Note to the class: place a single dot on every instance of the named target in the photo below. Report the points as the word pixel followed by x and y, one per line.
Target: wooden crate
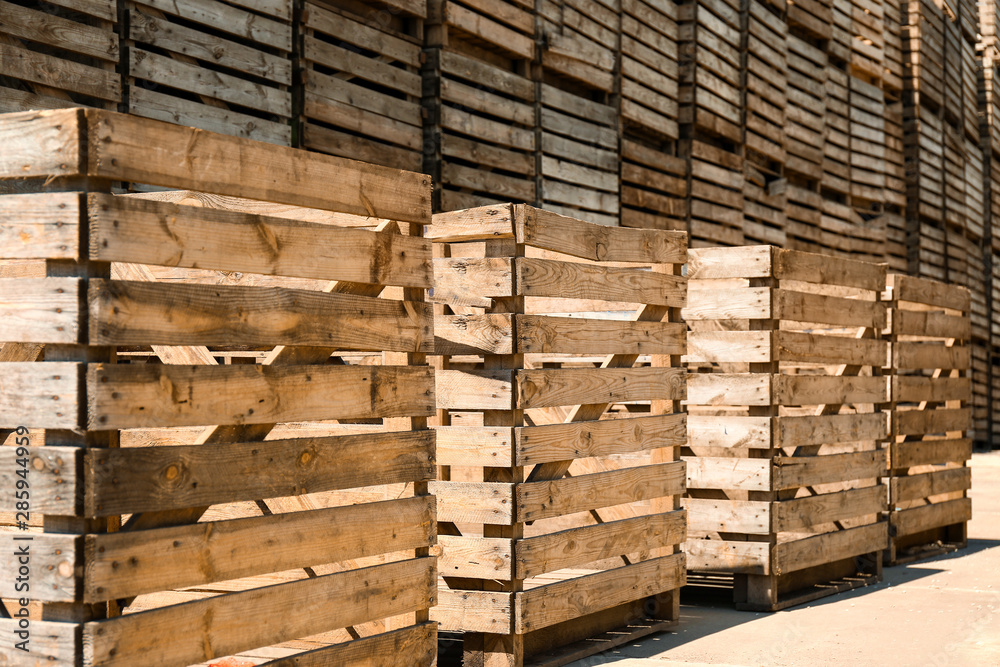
pixel 868 140
pixel 245 533
pixel 653 183
pixel 649 68
pixel 810 109
pixel 532 563
pixel 785 433
pixel 579 152
pixel 710 36
pixel 811 19
pixel 211 65
pixel 480 129
pixel 841 41
pixel 836 174
pixel 892 34
pixel 868 28
pixel 59 53
pixel 924 150
pixel 715 195
pixel 929 478
pixel 580 40
pixel 923 53
pixel 359 67
pixel 500 26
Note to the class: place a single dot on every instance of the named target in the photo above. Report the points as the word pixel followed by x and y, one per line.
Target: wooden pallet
pixel 929 477
pixel 841 41
pixel 59 53
pixel 785 432
pixel 244 532
pixel 836 174
pixel 211 65
pixel 359 66
pixel 868 40
pixel 653 184
pixel 812 19
pixel 715 195
pixel 503 26
pixel 649 68
pixel 923 50
pixel 868 141
pixel 532 564
pixel 580 40
pixel 892 34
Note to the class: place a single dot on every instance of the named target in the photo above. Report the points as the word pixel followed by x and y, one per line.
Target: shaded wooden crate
pixel 892 34
pixel 649 67
pixel 868 143
pixel 715 192
pixel 579 152
pixel 709 35
pixel 359 65
pixel 811 19
pixel 59 54
pixel 839 47
pixel 242 530
pixel 836 174
pixel 538 562
pixel 785 429
pixel 868 30
pixel 924 151
pixel 211 65
pixel 480 128
pixel 499 26
pixel 929 477
pixel 580 40
pixel 653 184
pixel 923 53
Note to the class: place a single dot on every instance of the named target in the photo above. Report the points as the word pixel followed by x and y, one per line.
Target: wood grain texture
pixel 40 226
pixel 40 395
pixel 40 310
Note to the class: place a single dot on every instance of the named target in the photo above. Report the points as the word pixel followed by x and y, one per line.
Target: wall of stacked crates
pixel 860 128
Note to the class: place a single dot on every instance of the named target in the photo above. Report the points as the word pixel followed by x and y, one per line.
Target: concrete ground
pixel 942 611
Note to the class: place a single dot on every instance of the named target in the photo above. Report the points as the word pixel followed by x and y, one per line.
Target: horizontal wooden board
pixel 730 432
pixel 916 487
pixel 487 333
pixel 927 452
pixel 42 395
pixel 912 355
pixel 160 232
pixel 812 348
pixel 40 310
pixel 765 261
pixel 562 442
pixel 930 292
pixel 227 624
pixel 552 387
pixel 574 335
pixel 56 486
pixel 825 429
pixel 40 226
pixel 474 611
pixel 550 278
pixel 922 422
pixel 476 557
pixel 474 502
pixel 745 474
pixel 797 471
pixel 413 646
pixel 728 556
pixel 913 389
pixel 137 396
pixel 829 547
pixel 709 515
pixel 907 522
pixel 930 323
pixel 146 479
pixel 812 511
pixel 143 313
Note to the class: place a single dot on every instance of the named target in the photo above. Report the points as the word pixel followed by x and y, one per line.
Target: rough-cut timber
pixel 785 432
pixel 278 511
pixel 929 333
pixel 557 525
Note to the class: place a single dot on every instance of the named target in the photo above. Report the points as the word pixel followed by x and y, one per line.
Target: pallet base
pixel 812 593
pixel 926 544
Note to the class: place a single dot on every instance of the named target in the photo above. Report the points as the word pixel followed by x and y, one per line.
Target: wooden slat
pixel 41 144
pixel 554 603
pixel 930 292
pixel 475 446
pixel 60 73
pixel 910 355
pixel 135 396
pixel 41 395
pixel 730 388
pixel 51 559
pixel 558 233
pixel 578 546
pixel 148 479
pixel 56 486
pixel 921 422
pixel 473 224
pixel 728 556
pixel 729 346
pixel 811 511
pixel 930 323
pixel 824 309
pixel 227 624
pixel 553 387
pixel 474 611
pixel 474 502
pixel 486 333
pixel 163 233
pixel 829 547
pixel 478 277
pixel 827 270
pixel 573 335
pixel 908 389
pixel 140 313
pixel 832 390
pixel 228 19
pixel 824 429
pixel 917 519
pixel 709 515
pixel 207 552
pixel 812 348
pixel 549 278
pixel 40 226
pixel 927 452
pixel 415 646
pixel 752 303
pixel 915 487
pixel 797 471
pixel 476 557
pixel 52 643
pixel 40 310
pixel 474 390
pixel 706 472
pixel 542 500
pixel 578 440
pixel 752 432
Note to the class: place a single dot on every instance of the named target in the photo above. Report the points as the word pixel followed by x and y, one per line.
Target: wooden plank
pixel 826 429
pixel 573 335
pixel 914 355
pixel 813 348
pixel 475 446
pixel 578 440
pixel 829 547
pixel 729 346
pixel 137 396
pixel 827 270
pixel 414 646
pixel 474 611
pixel 930 292
pixel 820 390
pixel 40 226
pixel 921 422
pixel 751 432
pixel 549 278
pixel 227 624
pixel 728 556
pixel 474 502
pixel 912 389
pixel 41 395
pixel 552 498
pixel 52 30
pixel 562 234
pixel 792 472
pixel 552 387
pixel 145 151
pixel 40 310
pixel 928 452
pixel 207 552
pixel 930 324
pixel 60 73
pixel 51 559
pixel 554 603
pixel 907 522
pixel 916 487
pixel 190 236
pixel 486 333
pixel 228 19
pixel 578 546
pixel 709 515
pixel 56 486
pixel 52 643
pixel 161 478
pixel 41 143
pixel 476 557
pixel 812 511
pixel 474 224
pixel 141 313
pixel 824 309
pixel 752 303
pixel 730 388
pixel 479 277
pixel 474 390
pixel 728 263
pixel 708 472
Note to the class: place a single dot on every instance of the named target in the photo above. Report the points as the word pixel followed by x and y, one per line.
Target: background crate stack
pixel 765 62
pixel 480 138
pixel 710 37
pixel 894 210
pixel 653 176
pixel 928 480
pixel 578 118
pixel 59 53
pixel 986 426
pixel 785 452
pixel 216 66
pixel 243 531
pixel 589 541
pixel 359 66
